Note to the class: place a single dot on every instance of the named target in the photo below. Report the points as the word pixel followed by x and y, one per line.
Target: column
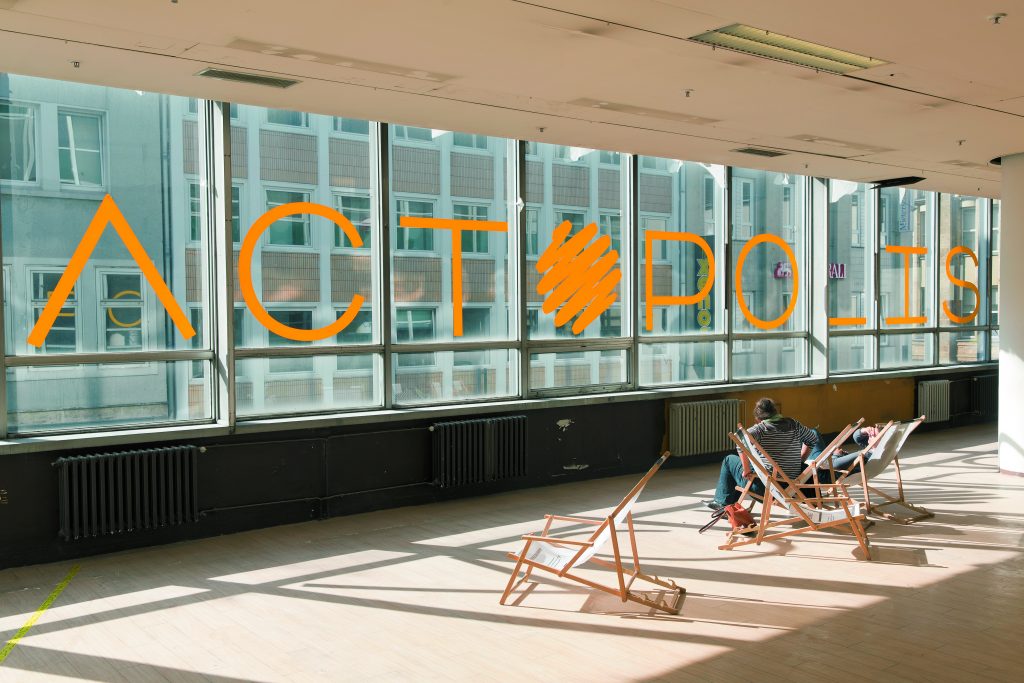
pixel 1011 323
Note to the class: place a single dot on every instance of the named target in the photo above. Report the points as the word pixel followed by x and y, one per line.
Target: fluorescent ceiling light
pixel 762 43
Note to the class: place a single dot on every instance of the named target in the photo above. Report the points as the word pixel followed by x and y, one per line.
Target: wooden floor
pixel 412 595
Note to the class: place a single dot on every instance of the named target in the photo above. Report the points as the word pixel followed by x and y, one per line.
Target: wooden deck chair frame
pixel 566 555
pixel 810 472
pixel 862 477
pixel 818 512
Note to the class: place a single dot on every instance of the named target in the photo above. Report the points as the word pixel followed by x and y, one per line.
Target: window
pixel 414 325
pixel 194 218
pixel 236 214
pixel 63 336
pixel 469 140
pixel 357 210
pixel 531 219
pixel 78 149
pixel 856 222
pixel 995 225
pixel 291 230
pixel 284 117
pixel 654 163
pixel 995 306
pixel 359 331
pixel 473 241
pixel 661 247
pixel 532 149
pixel 576 219
pixel 17 142
pixel 788 214
pixel 419 239
pixel 195 316
pixel 411 133
pixel 609 158
pixel 743 208
pixel 353 126
pixel 476 324
pixel 709 191
pixel 193 107
pixel 610 225
pixel 300 319
pixel 121 311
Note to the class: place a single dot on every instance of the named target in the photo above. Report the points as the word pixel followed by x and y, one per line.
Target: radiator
pixel 478 451
pixel 702 427
pixel 110 493
pixel 933 400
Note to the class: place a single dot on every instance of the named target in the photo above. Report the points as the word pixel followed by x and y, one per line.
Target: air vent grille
pixel 760 152
pixel 253 79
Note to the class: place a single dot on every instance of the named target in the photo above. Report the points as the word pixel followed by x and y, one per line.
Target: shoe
pixel 712 505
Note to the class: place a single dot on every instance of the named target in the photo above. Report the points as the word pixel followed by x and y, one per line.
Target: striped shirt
pixel 783 440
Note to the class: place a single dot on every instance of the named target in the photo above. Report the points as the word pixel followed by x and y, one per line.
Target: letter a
pixel 108 213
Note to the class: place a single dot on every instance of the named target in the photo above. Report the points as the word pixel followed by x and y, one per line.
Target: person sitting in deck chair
pixel 841 460
pixel 788 441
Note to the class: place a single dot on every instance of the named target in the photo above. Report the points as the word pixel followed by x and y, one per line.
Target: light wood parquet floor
pixel 411 594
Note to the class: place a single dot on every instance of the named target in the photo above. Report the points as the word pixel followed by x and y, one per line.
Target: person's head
pixel 764 409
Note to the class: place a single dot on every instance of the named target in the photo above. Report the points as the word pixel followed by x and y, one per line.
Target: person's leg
pixel 730 475
pixel 818 447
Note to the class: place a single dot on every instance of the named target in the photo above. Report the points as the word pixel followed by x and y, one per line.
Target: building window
pixel 78 148
pixel 653 163
pixel 469 140
pixel 121 311
pixel 576 219
pixel 414 325
pixel 609 157
pixel 284 117
pixel 415 239
pixel 660 224
pixel 743 208
pixel 300 319
pixel 609 224
pixel 532 149
pixel 856 222
pixel 194 218
pixel 788 214
pixel 17 142
pixel 412 133
pixel 353 126
pixel 63 336
pixel 709 204
pixel 995 221
pixel 193 107
pixel 473 241
pixel 357 332
pixel 195 317
pixel 291 230
pixel 236 214
pixel 357 210
pixel 532 220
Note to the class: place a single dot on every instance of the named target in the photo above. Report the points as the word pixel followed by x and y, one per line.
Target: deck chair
pixel 837 509
pixel 875 459
pixel 563 557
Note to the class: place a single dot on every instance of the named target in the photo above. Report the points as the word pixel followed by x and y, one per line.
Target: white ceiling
pixel 950 99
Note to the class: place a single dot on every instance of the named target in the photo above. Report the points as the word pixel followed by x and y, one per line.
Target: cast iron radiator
pixel 109 493
pixel 702 427
pixel 478 451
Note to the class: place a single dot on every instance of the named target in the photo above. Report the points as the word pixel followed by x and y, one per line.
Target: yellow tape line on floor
pixel 39 612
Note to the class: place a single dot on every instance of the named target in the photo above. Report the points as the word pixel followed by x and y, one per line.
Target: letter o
pixel 245 271
pixel 751 318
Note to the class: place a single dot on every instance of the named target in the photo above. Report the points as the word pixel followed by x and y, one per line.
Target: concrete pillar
pixel 1011 322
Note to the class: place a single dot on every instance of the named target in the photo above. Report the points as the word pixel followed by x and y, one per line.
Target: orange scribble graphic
pixel 107 213
pixel 579 275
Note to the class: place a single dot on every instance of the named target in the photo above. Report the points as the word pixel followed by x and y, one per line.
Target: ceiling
pixel 606 74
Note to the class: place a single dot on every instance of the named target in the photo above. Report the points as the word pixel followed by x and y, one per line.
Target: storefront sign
pixel 837 271
pixel 782 270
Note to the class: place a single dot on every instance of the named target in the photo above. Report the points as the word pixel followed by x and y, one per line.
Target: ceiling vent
pixel 759 152
pixel 896 182
pixel 252 79
pixel 762 43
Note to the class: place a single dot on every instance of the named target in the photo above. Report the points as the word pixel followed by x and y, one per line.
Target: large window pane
pixel 676 363
pixel 681 197
pixel 906 350
pixel 851 354
pixel 319 385
pixel 580 187
pixel 111 395
pixel 769 229
pixel 446 376
pixel 962 227
pixel 565 370
pixel 758 358
pixel 851 249
pixel 906 286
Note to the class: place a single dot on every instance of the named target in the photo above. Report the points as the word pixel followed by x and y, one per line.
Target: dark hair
pixel 765 408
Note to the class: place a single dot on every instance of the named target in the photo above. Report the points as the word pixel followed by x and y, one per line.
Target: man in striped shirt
pixel 785 439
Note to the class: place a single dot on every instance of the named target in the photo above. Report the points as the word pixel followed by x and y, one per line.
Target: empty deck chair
pixel 874 459
pixel 784 501
pixel 563 557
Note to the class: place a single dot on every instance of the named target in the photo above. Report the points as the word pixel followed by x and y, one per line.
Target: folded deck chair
pixel 781 493
pixel 875 459
pixel 563 557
